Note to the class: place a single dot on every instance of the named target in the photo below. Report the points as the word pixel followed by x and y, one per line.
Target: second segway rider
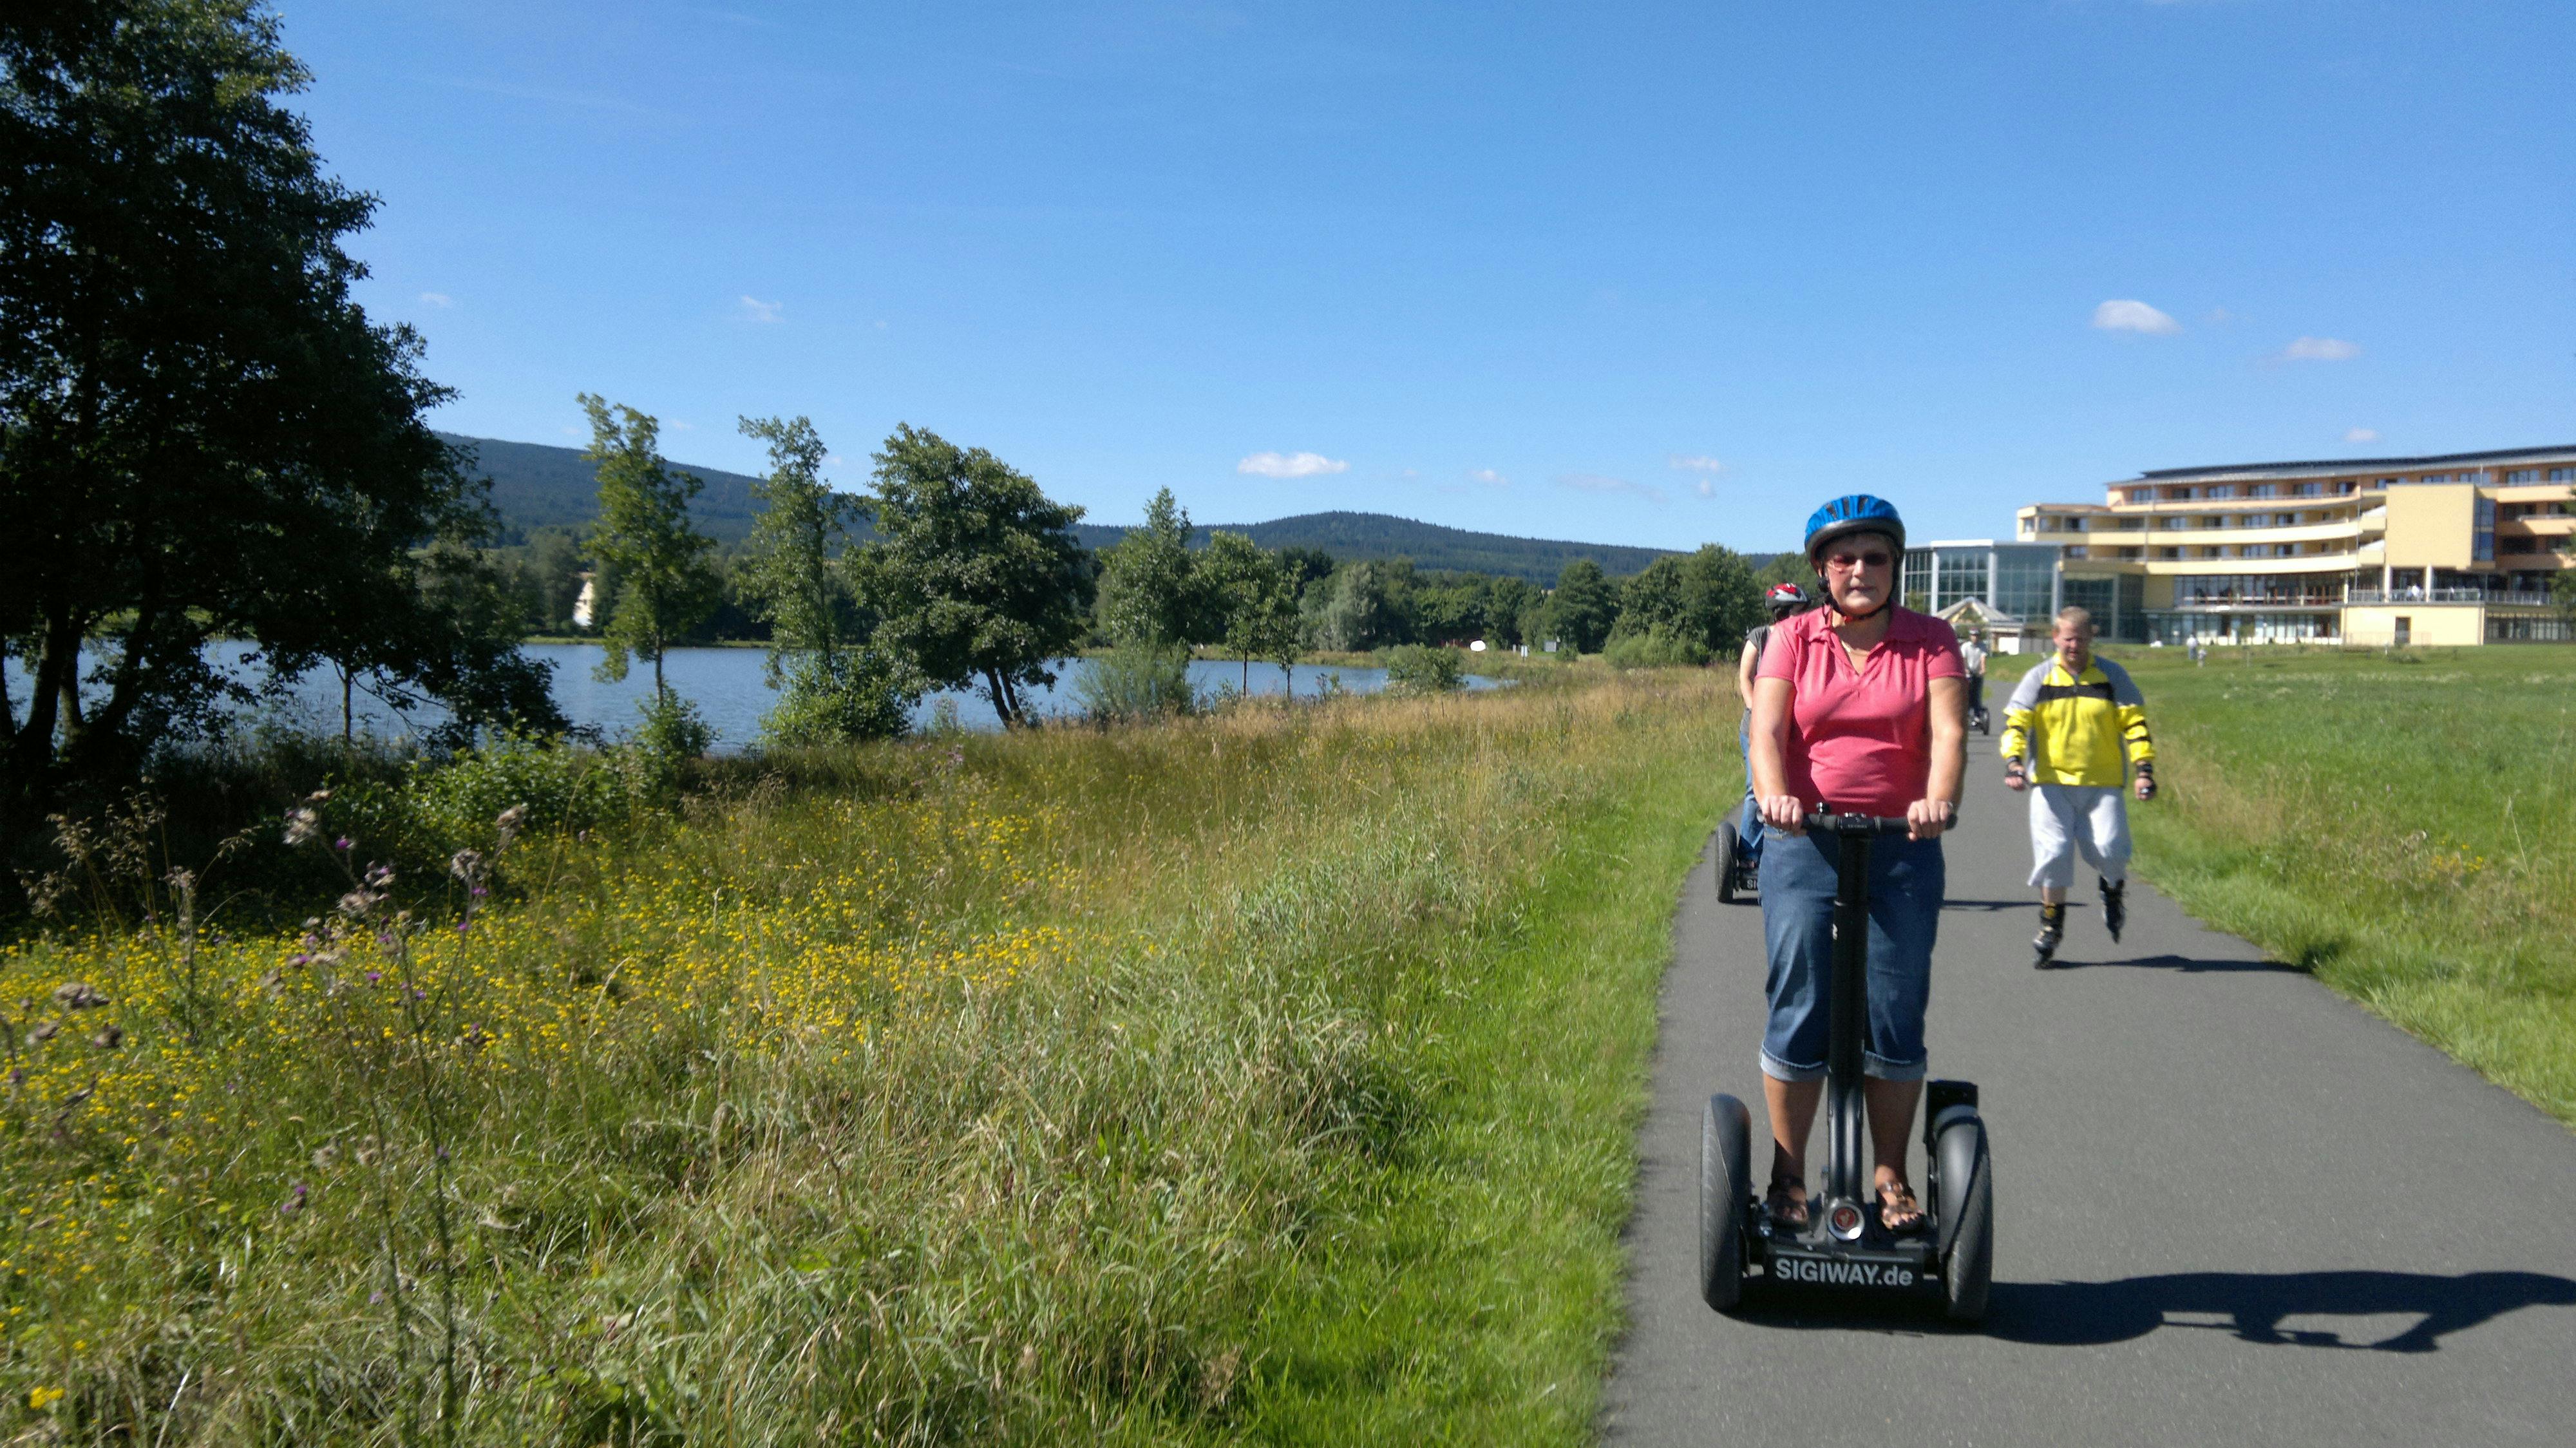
pixel 1858 707
pixel 1973 655
pixel 1783 599
pixel 2074 728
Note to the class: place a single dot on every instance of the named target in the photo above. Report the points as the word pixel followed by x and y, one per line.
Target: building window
pixel 2482 531
pixel 1917 587
pixel 2522 475
pixel 2390 482
pixel 2260 490
pixel 2177 495
pixel 2222 490
pixel 2285 520
pixel 2310 490
pixel 2562 475
pixel 2173 553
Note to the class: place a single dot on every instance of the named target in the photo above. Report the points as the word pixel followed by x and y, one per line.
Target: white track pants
pixel 2071 819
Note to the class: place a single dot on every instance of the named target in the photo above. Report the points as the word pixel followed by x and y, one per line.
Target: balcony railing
pixel 2446 595
pixel 2268 600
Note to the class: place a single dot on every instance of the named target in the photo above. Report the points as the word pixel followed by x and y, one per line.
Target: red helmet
pixel 1786 598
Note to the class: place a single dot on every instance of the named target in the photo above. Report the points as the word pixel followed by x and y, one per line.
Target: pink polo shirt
pixel 1861 742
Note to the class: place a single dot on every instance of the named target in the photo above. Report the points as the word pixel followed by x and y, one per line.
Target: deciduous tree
pixel 665 580
pixel 975 574
pixel 835 685
pixel 202 435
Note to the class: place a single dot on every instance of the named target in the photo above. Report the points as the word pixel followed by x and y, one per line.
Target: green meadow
pixel 1269 1076
pixel 2402 824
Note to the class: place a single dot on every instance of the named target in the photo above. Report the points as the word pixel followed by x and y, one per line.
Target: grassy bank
pixel 2404 825
pixel 1268 1077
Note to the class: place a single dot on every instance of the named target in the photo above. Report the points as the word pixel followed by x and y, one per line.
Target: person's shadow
pixel 2254 1305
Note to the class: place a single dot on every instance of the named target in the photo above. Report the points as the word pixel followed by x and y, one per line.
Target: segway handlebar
pixel 1860 824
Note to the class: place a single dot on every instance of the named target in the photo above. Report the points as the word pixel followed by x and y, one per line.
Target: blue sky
pixel 1651 274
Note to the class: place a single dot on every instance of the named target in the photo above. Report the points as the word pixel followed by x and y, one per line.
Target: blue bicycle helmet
pixel 1853 513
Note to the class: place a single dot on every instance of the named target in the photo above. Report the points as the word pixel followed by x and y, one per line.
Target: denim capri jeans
pixel 1906 882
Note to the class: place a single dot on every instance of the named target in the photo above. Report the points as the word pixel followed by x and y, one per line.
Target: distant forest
pixel 537 488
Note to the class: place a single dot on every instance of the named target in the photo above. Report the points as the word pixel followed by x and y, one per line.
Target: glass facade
pixel 2025 581
pixel 2016 579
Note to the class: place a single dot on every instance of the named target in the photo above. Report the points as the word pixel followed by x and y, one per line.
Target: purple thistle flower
pixel 341 843
pixel 375 976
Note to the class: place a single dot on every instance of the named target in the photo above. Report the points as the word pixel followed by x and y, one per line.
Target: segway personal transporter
pixel 1948 1258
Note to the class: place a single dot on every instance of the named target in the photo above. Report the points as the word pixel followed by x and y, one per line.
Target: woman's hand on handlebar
pixel 1784 812
pixel 1925 819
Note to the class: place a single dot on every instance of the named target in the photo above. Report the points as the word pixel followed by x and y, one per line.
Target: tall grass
pixel 1266 1076
pixel 2402 824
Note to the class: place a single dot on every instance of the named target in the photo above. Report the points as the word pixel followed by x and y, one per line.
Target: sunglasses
pixel 1846 562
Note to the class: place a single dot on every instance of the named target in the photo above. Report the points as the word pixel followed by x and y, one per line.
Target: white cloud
pixel 680 426
pixel 1411 473
pixel 1290 465
pixel 1695 464
pixel 2117 316
pixel 438 299
pixel 1596 483
pixel 1704 488
pixel 2220 316
pixel 2362 434
pixel 756 310
pixel 2320 349
pixel 1490 478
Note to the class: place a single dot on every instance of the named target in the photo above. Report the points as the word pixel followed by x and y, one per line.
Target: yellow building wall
pixel 2429 525
pixel 2441 625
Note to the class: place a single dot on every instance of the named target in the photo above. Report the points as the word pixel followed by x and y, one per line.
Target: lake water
pixel 727 687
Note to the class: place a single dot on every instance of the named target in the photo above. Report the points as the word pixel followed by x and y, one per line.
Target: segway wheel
pixel 1725 1200
pixel 1967 1198
pixel 1727 847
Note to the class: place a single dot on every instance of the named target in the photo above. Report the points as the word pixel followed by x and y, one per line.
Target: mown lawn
pixel 1269 1077
pixel 2402 824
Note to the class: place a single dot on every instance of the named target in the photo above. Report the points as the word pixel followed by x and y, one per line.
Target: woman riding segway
pixel 1858 708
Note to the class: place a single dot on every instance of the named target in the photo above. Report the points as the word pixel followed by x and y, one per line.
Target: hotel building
pixel 2455 549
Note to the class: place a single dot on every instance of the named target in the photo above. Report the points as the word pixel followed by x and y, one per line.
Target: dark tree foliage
pixel 974 575
pixel 1707 598
pixel 201 434
pixel 1582 608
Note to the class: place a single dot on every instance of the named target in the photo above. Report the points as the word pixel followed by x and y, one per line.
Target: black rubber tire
pixel 1967 1218
pixel 1726 848
pixel 1725 1200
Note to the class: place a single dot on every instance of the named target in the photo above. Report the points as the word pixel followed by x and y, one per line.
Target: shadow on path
pixel 2184 963
pixel 2254 1306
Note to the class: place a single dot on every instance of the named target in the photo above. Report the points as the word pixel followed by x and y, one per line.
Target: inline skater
pixel 2074 727
pixel 1858 705
pixel 1783 599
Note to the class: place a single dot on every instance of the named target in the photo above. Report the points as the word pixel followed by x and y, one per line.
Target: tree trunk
pixel 348 730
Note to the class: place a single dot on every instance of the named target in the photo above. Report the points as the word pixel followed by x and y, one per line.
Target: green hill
pixel 535 485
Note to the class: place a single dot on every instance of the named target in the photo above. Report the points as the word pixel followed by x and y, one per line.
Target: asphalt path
pixel 2230 1206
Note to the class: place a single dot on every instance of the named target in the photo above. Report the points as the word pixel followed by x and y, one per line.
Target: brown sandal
pixel 1898 1211
pixel 1787 1212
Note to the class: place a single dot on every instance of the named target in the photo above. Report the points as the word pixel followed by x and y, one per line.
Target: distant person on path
pixel 1972 654
pixel 2074 728
pixel 1783 599
pixel 1858 707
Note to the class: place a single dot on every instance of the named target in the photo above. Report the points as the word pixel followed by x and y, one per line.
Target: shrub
pixel 864 702
pixel 1136 681
pixel 1659 647
pixel 1422 669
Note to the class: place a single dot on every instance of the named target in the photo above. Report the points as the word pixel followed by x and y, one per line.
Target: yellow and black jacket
pixel 2078 729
